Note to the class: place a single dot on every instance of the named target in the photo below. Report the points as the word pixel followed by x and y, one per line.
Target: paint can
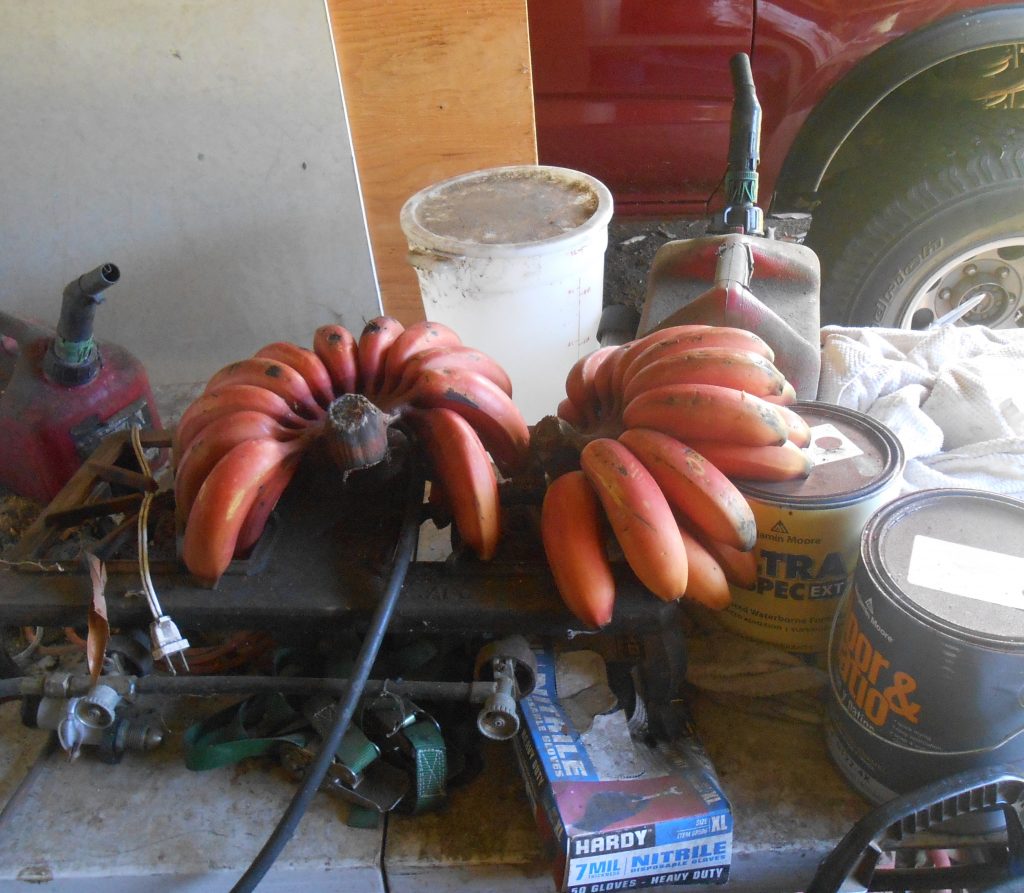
pixel 926 659
pixel 808 531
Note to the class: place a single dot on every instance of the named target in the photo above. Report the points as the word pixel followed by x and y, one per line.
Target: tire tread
pixel 988 154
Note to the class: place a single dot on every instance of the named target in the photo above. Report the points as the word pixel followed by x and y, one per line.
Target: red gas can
pixel 65 392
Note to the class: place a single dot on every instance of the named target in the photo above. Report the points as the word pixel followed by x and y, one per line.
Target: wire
pixel 404 552
pixel 143 528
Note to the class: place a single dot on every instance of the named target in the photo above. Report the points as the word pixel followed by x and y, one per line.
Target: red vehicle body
pixel 856 99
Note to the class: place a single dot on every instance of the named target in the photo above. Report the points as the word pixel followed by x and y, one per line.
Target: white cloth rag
pixel 954 396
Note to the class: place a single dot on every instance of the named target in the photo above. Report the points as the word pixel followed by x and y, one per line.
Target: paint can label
pixel 808 532
pixel 805 562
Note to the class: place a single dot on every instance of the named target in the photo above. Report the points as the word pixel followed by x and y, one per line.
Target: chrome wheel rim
pixel 988 279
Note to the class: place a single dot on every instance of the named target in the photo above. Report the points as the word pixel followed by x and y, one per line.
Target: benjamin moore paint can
pixel 926 661
pixel 808 531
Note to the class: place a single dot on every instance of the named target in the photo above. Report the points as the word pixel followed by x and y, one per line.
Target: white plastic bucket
pixel 512 258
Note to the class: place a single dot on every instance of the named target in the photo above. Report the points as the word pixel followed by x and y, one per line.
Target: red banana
pixel 306 363
pixel 338 351
pixel 695 487
pixel 581 382
pixel 740 568
pixel 571 413
pixel 224 501
pixel 374 343
pixel 481 403
pixel 639 515
pixel 787 396
pixel 742 370
pixel 420 336
pixel 636 347
pixel 768 463
pixel 445 357
pixel 270 493
pixel 798 431
pixel 707 583
pixel 708 412
pixel 604 384
pixel 460 463
pixel 573 537
pixel 272 375
pixel 666 345
pixel 213 443
pixel 224 401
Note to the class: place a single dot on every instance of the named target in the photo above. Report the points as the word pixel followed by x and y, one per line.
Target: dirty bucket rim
pixel 421 239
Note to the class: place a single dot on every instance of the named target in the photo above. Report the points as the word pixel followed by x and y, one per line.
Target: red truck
pixel 896 124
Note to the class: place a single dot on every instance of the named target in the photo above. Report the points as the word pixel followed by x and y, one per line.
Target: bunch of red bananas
pixel 238 445
pixel 662 424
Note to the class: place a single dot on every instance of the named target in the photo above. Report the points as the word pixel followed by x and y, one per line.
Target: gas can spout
pixel 741 213
pixel 72 358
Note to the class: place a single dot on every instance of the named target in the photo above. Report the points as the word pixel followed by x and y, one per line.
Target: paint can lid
pixel 954 558
pixel 854 457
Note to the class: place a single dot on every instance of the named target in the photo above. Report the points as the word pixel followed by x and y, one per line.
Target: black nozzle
pixel 741 212
pixel 81 296
pixel 745 124
pixel 72 358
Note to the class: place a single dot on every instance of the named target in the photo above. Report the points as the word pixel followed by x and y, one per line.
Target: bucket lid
pixel 954 558
pixel 512 210
pixel 854 457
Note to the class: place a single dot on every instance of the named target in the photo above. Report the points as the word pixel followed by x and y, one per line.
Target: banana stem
pixel 558 444
pixel 356 432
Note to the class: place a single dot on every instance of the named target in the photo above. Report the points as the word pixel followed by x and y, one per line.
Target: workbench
pixel 149 824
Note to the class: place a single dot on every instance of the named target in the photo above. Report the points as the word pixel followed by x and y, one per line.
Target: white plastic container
pixel 512 258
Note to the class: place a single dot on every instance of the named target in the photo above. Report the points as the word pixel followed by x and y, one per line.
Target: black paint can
pixel 926 656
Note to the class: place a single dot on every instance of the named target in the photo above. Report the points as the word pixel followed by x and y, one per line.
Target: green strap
pixel 356 751
pixel 247 730
pixel 430 766
pixel 250 729
pixel 240 731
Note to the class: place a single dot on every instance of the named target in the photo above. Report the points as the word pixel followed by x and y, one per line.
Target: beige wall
pixel 201 146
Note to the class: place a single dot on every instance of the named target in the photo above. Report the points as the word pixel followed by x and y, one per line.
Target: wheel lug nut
pixel 945 294
pixel 1004 272
pixel 971 270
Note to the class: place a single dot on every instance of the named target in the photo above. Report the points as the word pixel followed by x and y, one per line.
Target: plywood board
pixel 432 89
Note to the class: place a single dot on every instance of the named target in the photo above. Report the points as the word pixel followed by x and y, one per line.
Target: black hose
pixel 360 673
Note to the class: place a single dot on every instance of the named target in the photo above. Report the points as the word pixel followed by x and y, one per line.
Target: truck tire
pixel 948 230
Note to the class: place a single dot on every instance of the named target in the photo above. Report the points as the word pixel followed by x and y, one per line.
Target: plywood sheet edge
pixel 432 90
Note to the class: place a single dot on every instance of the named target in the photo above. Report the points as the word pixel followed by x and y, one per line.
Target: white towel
pixel 954 396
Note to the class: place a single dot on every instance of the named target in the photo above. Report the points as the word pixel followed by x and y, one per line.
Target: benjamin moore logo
pixel 869 606
pixel 779 527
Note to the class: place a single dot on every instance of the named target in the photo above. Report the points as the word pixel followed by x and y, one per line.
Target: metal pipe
pixel 129 686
